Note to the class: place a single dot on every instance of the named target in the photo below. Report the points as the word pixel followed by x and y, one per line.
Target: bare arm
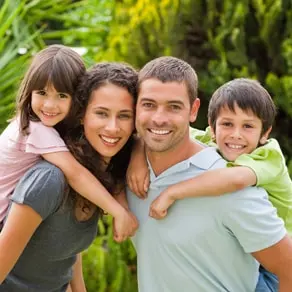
pixel 278 260
pixel 21 223
pixel 83 182
pixel 210 183
pixel 77 283
pixel 138 172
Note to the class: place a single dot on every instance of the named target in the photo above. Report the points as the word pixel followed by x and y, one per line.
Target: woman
pixel 48 225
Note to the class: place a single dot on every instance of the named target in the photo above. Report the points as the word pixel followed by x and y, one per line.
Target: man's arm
pixel 278 260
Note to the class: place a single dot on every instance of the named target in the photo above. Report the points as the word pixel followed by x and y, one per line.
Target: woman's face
pixel 109 119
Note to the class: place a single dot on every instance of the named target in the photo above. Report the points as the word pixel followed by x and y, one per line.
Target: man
pixel 204 244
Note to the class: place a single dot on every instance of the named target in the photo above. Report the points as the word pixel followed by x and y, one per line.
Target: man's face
pixel 163 114
pixel 238 132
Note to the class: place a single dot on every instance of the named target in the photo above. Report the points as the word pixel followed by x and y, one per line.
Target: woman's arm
pixel 77 283
pixel 210 183
pixel 20 225
pixel 84 183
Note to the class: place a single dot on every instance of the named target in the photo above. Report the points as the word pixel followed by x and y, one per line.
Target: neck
pixel 161 161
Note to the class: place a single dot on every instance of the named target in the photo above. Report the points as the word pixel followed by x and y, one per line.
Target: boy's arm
pixel 77 283
pixel 210 183
pixel 85 184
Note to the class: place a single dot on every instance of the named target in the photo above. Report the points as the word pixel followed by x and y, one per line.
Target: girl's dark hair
pixel 55 65
pixel 101 74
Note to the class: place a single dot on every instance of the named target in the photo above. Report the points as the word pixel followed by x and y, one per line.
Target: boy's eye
pixel 247 126
pixel 227 124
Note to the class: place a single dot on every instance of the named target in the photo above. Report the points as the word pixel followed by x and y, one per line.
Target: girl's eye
pixel 63 95
pixel 248 126
pixel 41 92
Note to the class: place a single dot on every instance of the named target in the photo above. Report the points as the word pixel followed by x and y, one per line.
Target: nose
pixel 236 134
pixel 159 118
pixel 50 103
pixel 112 125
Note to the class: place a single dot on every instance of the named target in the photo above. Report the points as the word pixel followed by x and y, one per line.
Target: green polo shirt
pixel 272 174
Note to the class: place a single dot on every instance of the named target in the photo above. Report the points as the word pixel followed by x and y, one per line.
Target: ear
pixel 194 110
pixel 213 136
pixel 265 136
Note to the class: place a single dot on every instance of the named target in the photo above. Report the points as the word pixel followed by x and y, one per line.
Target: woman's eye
pixel 101 114
pixel 125 116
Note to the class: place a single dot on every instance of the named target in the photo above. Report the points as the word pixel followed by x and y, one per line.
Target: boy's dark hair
pixel 121 75
pixel 55 65
pixel 248 95
pixel 171 69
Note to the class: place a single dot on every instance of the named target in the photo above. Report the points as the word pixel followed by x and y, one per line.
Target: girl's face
pixel 50 106
pixel 109 119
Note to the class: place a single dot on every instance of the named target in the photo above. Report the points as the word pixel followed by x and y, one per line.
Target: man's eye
pixel 148 105
pixel 175 107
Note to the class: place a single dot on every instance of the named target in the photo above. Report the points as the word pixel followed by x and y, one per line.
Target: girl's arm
pixel 77 283
pixel 22 221
pixel 211 183
pixel 85 184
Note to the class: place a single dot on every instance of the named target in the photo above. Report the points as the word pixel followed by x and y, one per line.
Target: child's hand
pixel 159 207
pixel 124 225
pixel 138 178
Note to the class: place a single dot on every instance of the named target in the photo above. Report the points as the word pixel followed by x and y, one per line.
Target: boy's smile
pixel 238 132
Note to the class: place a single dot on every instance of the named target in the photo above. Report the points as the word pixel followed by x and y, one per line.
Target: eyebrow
pixel 169 102
pixel 107 109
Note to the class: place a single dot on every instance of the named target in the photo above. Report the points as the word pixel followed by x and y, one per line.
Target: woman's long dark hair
pixel 121 75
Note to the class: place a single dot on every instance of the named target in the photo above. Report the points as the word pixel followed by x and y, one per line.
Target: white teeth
pixel 49 114
pixel 110 140
pixel 235 146
pixel 160 132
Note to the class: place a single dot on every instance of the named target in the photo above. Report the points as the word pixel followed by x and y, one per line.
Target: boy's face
pixel 238 132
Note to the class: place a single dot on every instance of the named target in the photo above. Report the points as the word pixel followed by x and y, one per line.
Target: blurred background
pixel 221 39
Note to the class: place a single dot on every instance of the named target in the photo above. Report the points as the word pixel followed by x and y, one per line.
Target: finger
pixel 137 190
pixel 146 183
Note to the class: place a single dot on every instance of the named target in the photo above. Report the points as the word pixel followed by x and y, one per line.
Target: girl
pixel 47 227
pixel 45 101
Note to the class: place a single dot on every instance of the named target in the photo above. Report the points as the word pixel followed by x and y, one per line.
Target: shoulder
pixel 42 188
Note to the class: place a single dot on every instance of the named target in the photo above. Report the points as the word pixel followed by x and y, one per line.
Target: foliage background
pixel 221 39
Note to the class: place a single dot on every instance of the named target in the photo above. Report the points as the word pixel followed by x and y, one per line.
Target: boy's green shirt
pixel 269 165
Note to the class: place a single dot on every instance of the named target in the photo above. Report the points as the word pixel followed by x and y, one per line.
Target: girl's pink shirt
pixel 18 153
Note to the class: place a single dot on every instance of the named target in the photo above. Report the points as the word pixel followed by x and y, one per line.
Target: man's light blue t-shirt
pixel 203 244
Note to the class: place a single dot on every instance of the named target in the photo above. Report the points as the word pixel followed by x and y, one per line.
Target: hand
pixel 138 179
pixel 159 207
pixel 124 225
